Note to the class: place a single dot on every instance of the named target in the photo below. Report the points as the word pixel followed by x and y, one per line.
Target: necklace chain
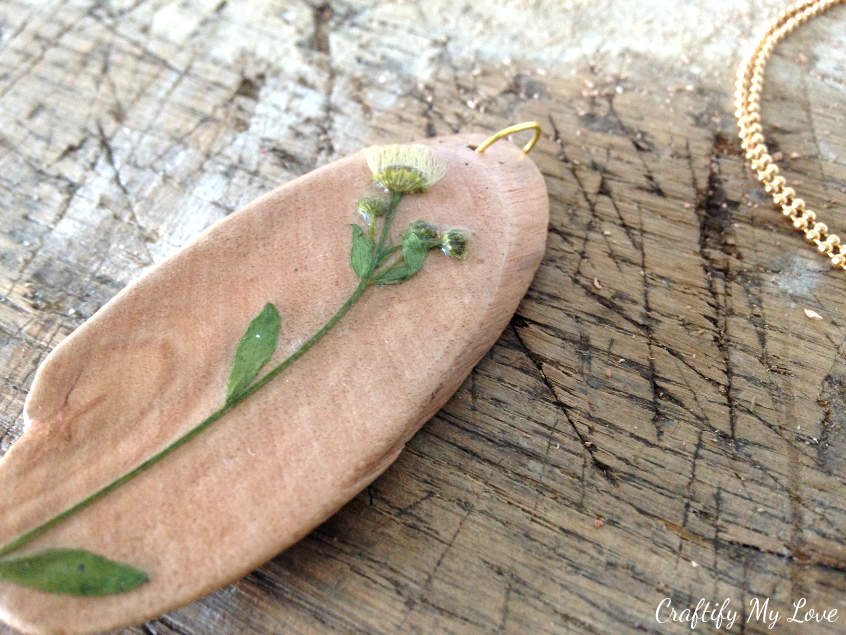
pixel 750 82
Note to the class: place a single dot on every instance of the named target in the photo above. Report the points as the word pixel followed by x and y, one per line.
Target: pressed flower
pixel 371 207
pixel 424 231
pixel 404 168
pixel 454 244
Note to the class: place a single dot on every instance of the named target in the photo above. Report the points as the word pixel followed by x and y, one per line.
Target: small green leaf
pixel 361 254
pixel 71 571
pixel 394 275
pixel 414 252
pixel 254 349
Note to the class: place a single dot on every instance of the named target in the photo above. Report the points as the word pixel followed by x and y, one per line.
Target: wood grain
pixel 660 419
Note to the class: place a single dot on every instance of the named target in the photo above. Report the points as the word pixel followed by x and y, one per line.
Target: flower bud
pixel 371 207
pixel 424 231
pixel 454 243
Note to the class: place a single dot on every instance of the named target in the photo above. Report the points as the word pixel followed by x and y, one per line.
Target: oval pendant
pixel 158 359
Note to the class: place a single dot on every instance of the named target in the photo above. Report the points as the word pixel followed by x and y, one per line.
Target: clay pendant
pixel 279 458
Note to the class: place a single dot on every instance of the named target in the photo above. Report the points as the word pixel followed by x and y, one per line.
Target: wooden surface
pixel 660 419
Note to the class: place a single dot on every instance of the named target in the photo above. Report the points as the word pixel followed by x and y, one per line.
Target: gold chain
pixel 747 100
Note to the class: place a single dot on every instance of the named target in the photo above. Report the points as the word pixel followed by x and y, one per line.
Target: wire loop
pixel 534 126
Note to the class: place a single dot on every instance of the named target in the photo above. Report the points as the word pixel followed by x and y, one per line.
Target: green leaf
pixel 394 275
pixel 361 254
pixel 71 571
pixel 414 252
pixel 254 349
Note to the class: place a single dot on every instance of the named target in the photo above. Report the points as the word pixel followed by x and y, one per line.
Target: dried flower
pixel 371 207
pixel 424 231
pixel 454 244
pixel 404 168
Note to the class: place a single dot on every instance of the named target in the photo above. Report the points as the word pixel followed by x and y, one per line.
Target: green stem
pixel 384 255
pixel 396 262
pixel 392 207
pixel 23 539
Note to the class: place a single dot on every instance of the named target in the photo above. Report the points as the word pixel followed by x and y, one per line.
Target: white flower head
pixel 404 168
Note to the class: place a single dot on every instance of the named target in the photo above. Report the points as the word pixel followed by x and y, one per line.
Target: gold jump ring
pixel 534 126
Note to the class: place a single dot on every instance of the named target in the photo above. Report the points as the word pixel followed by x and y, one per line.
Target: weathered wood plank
pixel 660 399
